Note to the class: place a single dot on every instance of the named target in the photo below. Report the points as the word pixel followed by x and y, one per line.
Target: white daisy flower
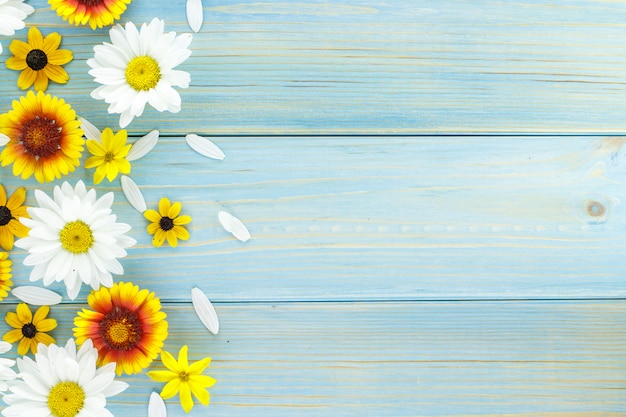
pixel 12 15
pixel 137 67
pixel 74 238
pixel 6 367
pixel 62 382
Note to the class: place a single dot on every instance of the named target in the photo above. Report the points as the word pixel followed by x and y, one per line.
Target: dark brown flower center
pixel 29 330
pixel 36 59
pixel 41 137
pixel 5 215
pixel 166 223
pixel 121 329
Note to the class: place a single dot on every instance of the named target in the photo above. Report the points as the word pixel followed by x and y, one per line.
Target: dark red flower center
pixel 121 329
pixel 41 137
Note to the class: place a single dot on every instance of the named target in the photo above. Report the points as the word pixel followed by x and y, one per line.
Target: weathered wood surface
pixel 542 358
pixel 421 275
pixel 400 66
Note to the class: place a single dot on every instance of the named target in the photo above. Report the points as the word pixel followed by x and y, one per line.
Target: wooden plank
pixel 551 359
pixel 381 218
pixel 434 66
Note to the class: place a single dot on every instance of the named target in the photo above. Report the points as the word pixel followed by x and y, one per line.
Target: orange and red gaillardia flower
pixel 126 325
pixel 96 13
pixel 45 139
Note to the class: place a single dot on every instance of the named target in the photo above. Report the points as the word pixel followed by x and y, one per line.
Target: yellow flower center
pixel 143 73
pixel 41 137
pixel 76 237
pixel 183 376
pixel 66 399
pixel 121 329
pixel 109 156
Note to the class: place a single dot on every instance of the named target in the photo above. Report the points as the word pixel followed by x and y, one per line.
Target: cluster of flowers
pixel 72 236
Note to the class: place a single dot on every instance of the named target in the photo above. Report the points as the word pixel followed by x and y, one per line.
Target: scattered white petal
pixel 234 226
pixel 91 132
pixel 204 147
pixel 4 139
pixel 156 406
pixel 205 310
pixel 133 194
pixel 36 296
pixel 194 14
pixel 143 146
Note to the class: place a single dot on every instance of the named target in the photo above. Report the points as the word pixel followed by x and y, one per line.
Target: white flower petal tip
pixel 90 131
pixel 194 14
pixel 156 406
pixel 4 139
pixel 36 296
pixel 133 194
pixel 204 146
pixel 234 226
pixel 205 310
pixel 143 146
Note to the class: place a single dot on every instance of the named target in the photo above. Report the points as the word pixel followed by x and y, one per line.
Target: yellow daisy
pixel 29 330
pixel 39 60
pixel 184 378
pixel 167 224
pixel 10 212
pixel 97 13
pixel 109 156
pixel 45 139
pixel 5 274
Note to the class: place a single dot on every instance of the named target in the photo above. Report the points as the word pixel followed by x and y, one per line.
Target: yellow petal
pixel 60 57
pixel 197 367
pixel 170 389
pixel 94 161
pixel 185 397
pixel 16 199
pixel 159 238
pixel 202 380
pixel 13 336
pixel 162 376
pixel 23 347
pixel 180 220
pixel 51 43
pixel 16 63
pixel 95 148
pixel 164 206
pixel 3 196
pixel 26 78
pixel 183 363
pixel 13 320
pixel 56 73
pixel 181 233
pixel 152 216
pixel 174 210
pixel 41 81
pixel 200 393
pixel 19 48
pixel 169 361
pixel 40 314
pixel 23 313
pixel 35 39
pixel 46 325
pixel 170 235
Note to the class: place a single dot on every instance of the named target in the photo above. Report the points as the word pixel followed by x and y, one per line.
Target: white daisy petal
pixel 34 389
pixel 194 14
pixel 204 146
pixel 134 69
pixel 37 296
pixel 91 132
pixel 4 139
pixel 234 226
pixel 143 146
pixel 156 406
pixel 12 15
pixel 133 194
pixel 205 310
pixel 75 218
pixel 4 347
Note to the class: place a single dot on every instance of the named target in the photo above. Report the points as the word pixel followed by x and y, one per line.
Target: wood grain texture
pixel 552 359
pixel 376 67
pixel 382 218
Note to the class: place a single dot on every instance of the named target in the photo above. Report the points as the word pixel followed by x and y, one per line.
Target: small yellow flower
pixel 39 60
pixel 109 156
pixel 5 274
pixel 10 212
pixel 184 378
pixel 29 330
pixel 167 224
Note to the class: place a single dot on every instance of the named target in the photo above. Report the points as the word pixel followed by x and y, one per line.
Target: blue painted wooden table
pixel 421 180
